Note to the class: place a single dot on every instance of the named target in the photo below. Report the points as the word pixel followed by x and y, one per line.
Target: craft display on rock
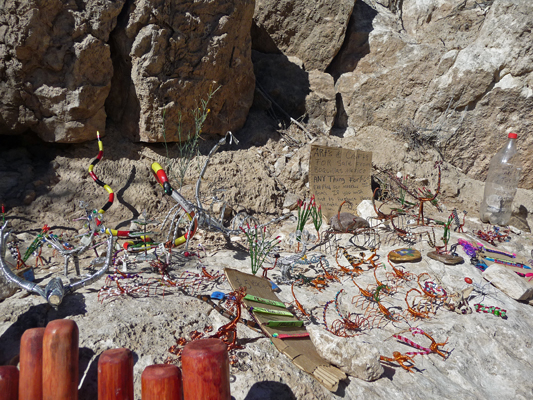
pixel 359 298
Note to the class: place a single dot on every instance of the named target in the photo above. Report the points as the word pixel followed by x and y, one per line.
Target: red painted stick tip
pixel 161 382
pixel 32 337
pixel 9 382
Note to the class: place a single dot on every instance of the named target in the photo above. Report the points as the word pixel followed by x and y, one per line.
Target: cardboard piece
pixel 337 174
pixel 301 351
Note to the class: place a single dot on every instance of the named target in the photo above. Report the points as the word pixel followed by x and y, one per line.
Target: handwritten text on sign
pixel 337 174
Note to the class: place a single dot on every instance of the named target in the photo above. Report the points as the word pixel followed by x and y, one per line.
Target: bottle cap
pixel 512 136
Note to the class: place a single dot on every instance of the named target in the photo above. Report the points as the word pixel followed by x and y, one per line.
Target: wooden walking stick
pixel 115 375
pixel 31 365
pixel 9 382
pixel 161 382
pixel 60 360
pixel 205 368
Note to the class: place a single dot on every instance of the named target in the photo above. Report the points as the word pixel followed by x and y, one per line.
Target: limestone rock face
pixel 311 30
pixel 353 358
pixel 454 74
pixel 320 103
pixel 168 55
pixel 55 67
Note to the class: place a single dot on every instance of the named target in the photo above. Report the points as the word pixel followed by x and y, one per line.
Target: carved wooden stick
pixel 31 365
pixel 115 375
pixel 205 366
pixel 9 382
pixel 161 382
pixel 60 360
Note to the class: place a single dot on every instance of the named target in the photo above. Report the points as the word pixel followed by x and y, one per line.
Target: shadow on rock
pixel 270 390
pixel 37 316
pixel 88 373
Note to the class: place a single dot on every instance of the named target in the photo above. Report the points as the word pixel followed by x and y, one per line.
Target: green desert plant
pixel 258 246
pixel 187 146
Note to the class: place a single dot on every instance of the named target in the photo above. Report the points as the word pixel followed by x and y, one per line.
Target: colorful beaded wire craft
pixel 497 311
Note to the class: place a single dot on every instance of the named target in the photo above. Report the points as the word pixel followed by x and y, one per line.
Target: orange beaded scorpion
pixel 365 294
pixel 414 313
pixel 398 274
pixel 228 332
pixel 298 304
pixel 400 359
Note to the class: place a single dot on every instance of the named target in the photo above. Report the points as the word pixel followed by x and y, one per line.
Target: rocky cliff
pixel 454 76
pixel 65 66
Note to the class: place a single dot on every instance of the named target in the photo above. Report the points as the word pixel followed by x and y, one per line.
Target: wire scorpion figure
pixel 347 326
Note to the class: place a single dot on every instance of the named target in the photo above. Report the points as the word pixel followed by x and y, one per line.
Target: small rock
pixel 448 259
pixel 365 209
pixel 279 165
pixel 508 282
pixel 349 132
pixel 217 210
pixel 422 182
pixel 29 196
pixel 291 201
pixel 350 356
pixel 8 289
pixel 348 222
pixel 405 255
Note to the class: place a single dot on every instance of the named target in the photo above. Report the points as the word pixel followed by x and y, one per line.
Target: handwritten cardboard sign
pixel 337 174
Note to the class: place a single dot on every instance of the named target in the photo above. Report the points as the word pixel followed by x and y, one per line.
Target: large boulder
pixel 453 75
pixel 311 30
pixel 168 56
pixel 55 67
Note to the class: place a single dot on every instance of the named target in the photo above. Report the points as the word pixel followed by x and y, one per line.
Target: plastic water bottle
pixel 501 184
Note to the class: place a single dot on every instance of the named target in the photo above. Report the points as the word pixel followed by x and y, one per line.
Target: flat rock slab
pixel 448 259
pixel 405 255
pixel 508 282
